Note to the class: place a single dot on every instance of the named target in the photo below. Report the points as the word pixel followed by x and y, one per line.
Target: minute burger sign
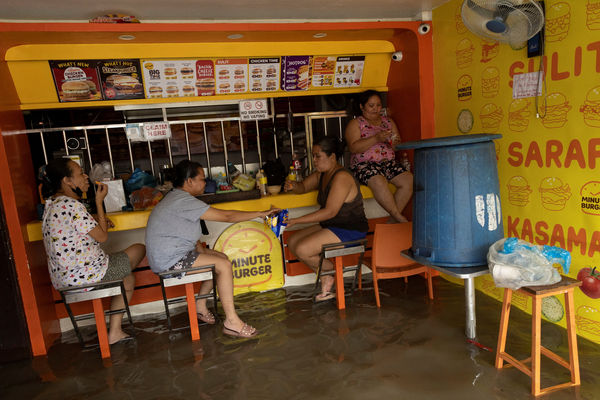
pixel 251 110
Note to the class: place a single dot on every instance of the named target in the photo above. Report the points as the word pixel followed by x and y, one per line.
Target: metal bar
pixel 242 147
pixel 87 145
pixel 341 130
pixel 274 130
pixel 170 154
pixel 44 147
pixel 471 322
pixel 130 155
pixel 112 167
pixel 275 142
pixel 166 119
pixel 65 141
pixel 309 142
pixel 225 151
pixel 258 146
pixel 206 149
pixel 150 154
pixel 187 142
pixel 325 125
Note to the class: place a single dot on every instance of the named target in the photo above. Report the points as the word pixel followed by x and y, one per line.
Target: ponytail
pixel 52 174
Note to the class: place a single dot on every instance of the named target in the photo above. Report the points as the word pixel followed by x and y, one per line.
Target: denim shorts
pixel 347 235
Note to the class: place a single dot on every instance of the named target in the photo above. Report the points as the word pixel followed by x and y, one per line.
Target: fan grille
pixel 508 21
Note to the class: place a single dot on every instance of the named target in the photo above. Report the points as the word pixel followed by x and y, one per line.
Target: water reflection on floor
pixel 411 348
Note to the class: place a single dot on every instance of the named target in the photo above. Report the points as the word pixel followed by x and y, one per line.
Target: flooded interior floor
pixel 411 348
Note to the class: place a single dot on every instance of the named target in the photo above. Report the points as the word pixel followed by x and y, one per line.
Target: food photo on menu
pixel 264 74
pixel 121 79
pixel 76 80
pixel 232 75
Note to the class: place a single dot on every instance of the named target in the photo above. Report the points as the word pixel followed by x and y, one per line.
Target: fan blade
pixel 519 27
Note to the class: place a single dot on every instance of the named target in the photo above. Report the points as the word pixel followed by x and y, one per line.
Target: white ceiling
pixel 215 10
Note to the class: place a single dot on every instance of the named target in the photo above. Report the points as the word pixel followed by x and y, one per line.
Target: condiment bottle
pixel 292 176
pixel 261 180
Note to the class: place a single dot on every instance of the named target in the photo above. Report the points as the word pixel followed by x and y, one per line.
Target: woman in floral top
pixel 370 138
pixel 72 238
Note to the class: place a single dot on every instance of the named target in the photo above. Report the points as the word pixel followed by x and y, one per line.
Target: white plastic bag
pixel 115 199
pixel 524 265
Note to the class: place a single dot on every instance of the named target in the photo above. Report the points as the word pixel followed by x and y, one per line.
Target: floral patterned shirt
pixel 74 257
pixel 377 152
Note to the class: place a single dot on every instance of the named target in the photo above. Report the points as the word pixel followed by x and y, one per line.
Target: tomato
pixel 591 282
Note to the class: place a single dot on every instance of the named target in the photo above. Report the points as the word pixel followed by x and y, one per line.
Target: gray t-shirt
pixel 173 229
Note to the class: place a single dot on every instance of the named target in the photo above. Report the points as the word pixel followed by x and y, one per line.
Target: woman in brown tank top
pixel 341 217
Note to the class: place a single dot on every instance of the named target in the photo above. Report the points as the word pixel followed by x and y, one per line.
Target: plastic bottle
pixel 261 180
pixel 297 164
pixel 292 176
pixel 405 162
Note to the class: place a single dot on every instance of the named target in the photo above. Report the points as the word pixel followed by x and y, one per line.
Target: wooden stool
pixel 537 293
pixel 338 251
pixel 187 277
pixel 98 291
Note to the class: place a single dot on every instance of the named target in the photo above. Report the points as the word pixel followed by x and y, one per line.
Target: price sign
pixel 251 110
pixel 157 130
pixel 527 85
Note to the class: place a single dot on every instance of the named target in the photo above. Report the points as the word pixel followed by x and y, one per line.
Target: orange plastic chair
pixel 387 262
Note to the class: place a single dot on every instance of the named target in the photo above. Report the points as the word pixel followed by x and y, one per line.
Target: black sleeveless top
pixel 351 216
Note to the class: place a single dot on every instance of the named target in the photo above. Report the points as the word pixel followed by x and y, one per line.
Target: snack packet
pixel 277 222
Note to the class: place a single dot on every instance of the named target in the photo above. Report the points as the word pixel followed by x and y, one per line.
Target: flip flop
pixel 207 318
pixel 123 340
pixel 246 331
pixel 324 297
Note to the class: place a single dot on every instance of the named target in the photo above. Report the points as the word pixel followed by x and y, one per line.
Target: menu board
pixel 121 79
pixel 295 73
pixel 76 80
pixel 178 78
pixel 348 71
pixel 231 75
pixel 323 71
pixel 264 74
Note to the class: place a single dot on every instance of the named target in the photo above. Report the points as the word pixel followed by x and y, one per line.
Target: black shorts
pixel 366 170
pixel 186 261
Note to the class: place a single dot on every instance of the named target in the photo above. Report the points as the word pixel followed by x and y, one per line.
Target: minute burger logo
pixel 590 198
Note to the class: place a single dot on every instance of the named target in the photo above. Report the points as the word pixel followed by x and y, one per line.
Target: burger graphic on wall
pixel 558 19
pixel 556 110
pixel 464 53
pixel 587 320
pixel 593 14
pixel 518 115
pixel 518 191
pixel 554 194
pixel 591 107
pixel 490 116
pixel 590 198
pixel 490 82
pixel 464 88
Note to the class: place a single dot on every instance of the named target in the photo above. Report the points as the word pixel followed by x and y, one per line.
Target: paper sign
pixel 157 130
pixel 134 132
pixel 251 110
pixel 527 85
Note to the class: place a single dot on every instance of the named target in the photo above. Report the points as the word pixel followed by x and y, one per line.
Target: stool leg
pixel 319 270
pixel 101 328
pixel 339 283
pixel 503 327
pixel 191 303
pixel 536 326
pixel 166 301
pixel 572 335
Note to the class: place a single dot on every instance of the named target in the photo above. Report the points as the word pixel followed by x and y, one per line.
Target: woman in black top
pixel 341 217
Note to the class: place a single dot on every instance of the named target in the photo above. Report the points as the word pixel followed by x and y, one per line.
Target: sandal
pixel 321 297
pixel 207 318
pixel 247 331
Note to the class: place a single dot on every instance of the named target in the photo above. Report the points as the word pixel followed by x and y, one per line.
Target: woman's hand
pixel 101 192
pixel 271 211
pixel 384 136
pixel 289 186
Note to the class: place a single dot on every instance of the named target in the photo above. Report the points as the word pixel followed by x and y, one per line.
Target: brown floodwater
pixel 411 348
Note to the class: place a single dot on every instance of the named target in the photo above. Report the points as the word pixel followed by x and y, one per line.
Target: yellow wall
pixel 564 145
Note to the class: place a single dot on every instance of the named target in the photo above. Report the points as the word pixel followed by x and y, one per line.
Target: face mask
pixel 77 191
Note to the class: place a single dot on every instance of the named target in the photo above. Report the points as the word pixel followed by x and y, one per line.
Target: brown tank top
pixel 351 215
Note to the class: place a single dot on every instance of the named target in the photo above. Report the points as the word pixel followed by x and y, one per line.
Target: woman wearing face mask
pixel 72 238
pixel 341 217
pixel 370 138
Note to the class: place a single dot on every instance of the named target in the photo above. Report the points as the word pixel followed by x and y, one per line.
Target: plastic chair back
pixel 388 241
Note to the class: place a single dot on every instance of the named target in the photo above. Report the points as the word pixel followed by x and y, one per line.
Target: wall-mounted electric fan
pixel 507 21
